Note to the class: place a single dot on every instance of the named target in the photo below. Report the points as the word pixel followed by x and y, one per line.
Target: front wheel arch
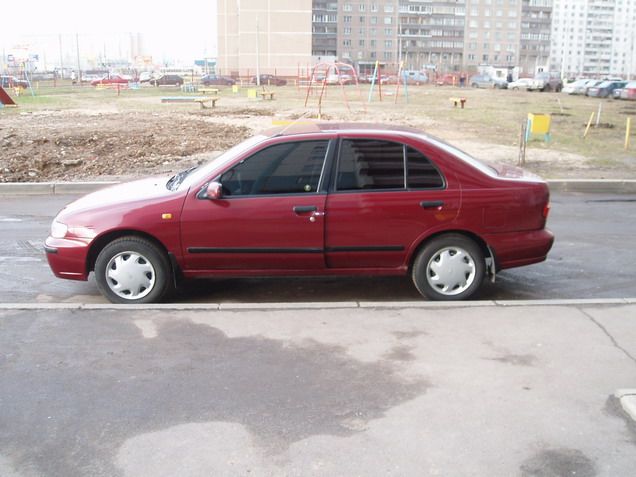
pixel 132 269
pixel 100 242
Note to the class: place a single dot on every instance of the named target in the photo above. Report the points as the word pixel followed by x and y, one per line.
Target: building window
pixel 346 19
pixel 346 7
pixel 388 20
pixel 388 44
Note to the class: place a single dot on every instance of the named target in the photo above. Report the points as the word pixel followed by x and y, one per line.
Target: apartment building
pixel 368 32
pixel 432 34
pixel 594 38
pixel 324 34
pixel 274 36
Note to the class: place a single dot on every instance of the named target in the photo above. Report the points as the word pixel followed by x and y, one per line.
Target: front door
pixel 271 216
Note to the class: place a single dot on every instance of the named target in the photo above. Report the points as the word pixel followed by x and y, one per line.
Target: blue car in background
pixel 605 89
pixel 414 77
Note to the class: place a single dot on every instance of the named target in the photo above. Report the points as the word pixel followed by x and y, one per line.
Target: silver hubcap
pixel 450 271
pixel 130 275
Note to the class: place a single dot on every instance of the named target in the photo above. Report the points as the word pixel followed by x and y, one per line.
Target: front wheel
pixel 449 267
pixel 132 270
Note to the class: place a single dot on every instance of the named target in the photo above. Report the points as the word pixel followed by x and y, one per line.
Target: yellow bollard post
pixel 589 123
pixel 628 128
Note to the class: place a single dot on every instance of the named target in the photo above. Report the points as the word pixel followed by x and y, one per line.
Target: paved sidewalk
pixel 499 389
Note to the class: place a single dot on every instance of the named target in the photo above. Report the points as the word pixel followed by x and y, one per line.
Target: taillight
pixel 546 210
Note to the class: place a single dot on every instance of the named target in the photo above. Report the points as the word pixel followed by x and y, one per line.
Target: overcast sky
pixel 183 29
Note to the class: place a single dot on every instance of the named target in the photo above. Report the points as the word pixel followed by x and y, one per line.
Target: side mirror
pixel 213 191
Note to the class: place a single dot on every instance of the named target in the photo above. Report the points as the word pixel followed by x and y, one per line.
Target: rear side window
pixel 370 164
pixel 289 168
pixel 422 174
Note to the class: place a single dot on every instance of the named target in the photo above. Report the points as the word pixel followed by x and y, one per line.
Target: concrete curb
pixel 599 186
pixel 52 188
pixel 316 305
pixel 627 398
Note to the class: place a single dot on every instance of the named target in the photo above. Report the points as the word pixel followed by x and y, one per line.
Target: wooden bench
pixel 266 94
pixel 209 99
pixel 202 100
pixel 456 101
pixel 205 90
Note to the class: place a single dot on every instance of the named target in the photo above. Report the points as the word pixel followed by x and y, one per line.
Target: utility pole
pixel 61 56
pixel 79 68
pixel 258 55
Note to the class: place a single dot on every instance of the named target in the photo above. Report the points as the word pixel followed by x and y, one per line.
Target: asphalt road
pixel 593 257
pixel 398 392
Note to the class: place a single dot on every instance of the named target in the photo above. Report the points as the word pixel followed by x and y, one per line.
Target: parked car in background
pixel 575 87
pixel 547 81
pixel 616 94
pixel 629 91
pixel 110 79
pixel 13 82
pixel 146 76
pixel 342 78
pixel 316 199
pixel 447 80
pixel 167 80
pixel 215 80
pixel 270 80
pixel 605 89
pixel 521 83
pixel 486 81
pixel 414 77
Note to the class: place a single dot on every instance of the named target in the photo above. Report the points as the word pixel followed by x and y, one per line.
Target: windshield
pixel 204 171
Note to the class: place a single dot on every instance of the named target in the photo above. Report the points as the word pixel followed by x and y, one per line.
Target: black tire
pixel 466 272
pixel 149 272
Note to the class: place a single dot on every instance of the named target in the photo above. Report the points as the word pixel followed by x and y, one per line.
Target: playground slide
pixel 5 99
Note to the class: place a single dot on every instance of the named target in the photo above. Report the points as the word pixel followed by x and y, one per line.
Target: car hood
pixel 149 189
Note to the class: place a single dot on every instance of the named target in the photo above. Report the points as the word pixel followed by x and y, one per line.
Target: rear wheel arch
pixel 485 249
pixel 451 265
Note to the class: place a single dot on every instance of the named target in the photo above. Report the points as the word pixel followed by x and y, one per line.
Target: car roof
pixel 304 127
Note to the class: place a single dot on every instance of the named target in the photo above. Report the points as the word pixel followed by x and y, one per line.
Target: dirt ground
pixel 111 143
pixel 75 146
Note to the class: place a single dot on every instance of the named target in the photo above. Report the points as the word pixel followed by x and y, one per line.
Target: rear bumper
pixel 520 248
pixel 67 258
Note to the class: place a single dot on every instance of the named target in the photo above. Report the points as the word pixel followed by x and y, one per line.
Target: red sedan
pixel 322 199
pixel 112 79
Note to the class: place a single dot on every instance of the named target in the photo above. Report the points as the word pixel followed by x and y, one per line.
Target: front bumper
pixel 67 257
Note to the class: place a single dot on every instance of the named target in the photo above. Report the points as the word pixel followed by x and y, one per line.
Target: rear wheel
pixel 449 267
pixel 132 270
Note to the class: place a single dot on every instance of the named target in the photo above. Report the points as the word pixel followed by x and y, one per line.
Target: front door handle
pixel 431 204
pixel 304 209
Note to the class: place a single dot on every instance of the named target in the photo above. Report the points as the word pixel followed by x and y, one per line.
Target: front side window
pixel 290 168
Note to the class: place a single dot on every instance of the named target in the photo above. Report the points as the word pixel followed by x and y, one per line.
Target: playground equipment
pixel 538 124
pixel 336 73
pixel 5 99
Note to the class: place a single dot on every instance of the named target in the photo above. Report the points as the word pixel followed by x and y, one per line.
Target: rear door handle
pixel 304 209
pixel 431 204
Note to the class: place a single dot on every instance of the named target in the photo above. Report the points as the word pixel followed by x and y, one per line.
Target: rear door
pixel 386 195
